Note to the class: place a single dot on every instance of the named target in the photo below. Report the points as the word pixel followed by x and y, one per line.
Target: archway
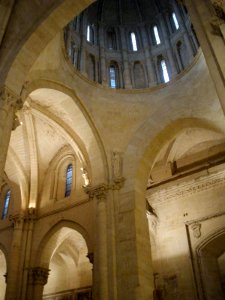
pixel 70 269
pixel 211 266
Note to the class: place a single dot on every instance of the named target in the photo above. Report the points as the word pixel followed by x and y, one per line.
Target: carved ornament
pixel 17 220
pixel 196 229
pixel 38 275
pixel 10 99
pixel 100 191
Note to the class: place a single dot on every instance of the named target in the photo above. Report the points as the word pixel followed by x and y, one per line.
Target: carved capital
pixel 17 220
pixel 30 214
pixel 10 99
pixel 38 275
pixel 196 228
pixel 100 191
pixel 118 183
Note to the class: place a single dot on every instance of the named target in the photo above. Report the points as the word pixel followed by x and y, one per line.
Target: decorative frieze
pixel 188 188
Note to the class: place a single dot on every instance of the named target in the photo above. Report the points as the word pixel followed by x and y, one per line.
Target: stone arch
pixel 145 145
pixel 53 237
pixel 208 252
pixel 19 55
pixel 98 150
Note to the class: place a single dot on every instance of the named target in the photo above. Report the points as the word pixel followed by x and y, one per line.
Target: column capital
pixel 10 99
pixel 30 214
pixel 17 220
pixel 39 275
pixel 99 191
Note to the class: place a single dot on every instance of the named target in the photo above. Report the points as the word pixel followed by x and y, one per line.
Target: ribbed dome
pixel 123 12
pixel 131 43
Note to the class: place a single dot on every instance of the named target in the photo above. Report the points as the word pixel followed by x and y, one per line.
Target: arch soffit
pixel 213 243
pixel 22 177
pixel 100 158
pixel 49 243
pixel 144 148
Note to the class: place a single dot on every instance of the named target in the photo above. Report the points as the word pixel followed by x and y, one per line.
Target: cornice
pixel 187 188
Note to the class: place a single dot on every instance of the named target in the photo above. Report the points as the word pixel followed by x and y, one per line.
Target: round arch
pixel 55 236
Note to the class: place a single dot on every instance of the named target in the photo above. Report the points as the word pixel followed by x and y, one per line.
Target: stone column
pixel 101 261
pixel 38 277
pixel 126 71
pixel 29 226
pixel 169 50
pixel 102 60
pixel 9 104
pixel 150 68
pixel 83 46
pixel 13 272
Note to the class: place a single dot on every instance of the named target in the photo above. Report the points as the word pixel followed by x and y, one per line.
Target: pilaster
pixel 9 104
pixel 13 272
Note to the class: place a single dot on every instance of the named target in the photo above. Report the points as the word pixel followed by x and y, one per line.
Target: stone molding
pixel 188 188
pixel 38 275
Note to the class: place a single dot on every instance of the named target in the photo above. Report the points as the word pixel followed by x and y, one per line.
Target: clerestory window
pixel 69 177
pixel 133 41
pixel 6 204
pixel 165 73
pixel 175 21
pixel 156 35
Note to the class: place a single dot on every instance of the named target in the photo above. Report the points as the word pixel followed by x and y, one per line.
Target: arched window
pixel 90 34
pixel 175 21
pixel 133 41
pixel 6 204
pixel 113 76
pixel 69 177
pixel 156 35
pixel 165 74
